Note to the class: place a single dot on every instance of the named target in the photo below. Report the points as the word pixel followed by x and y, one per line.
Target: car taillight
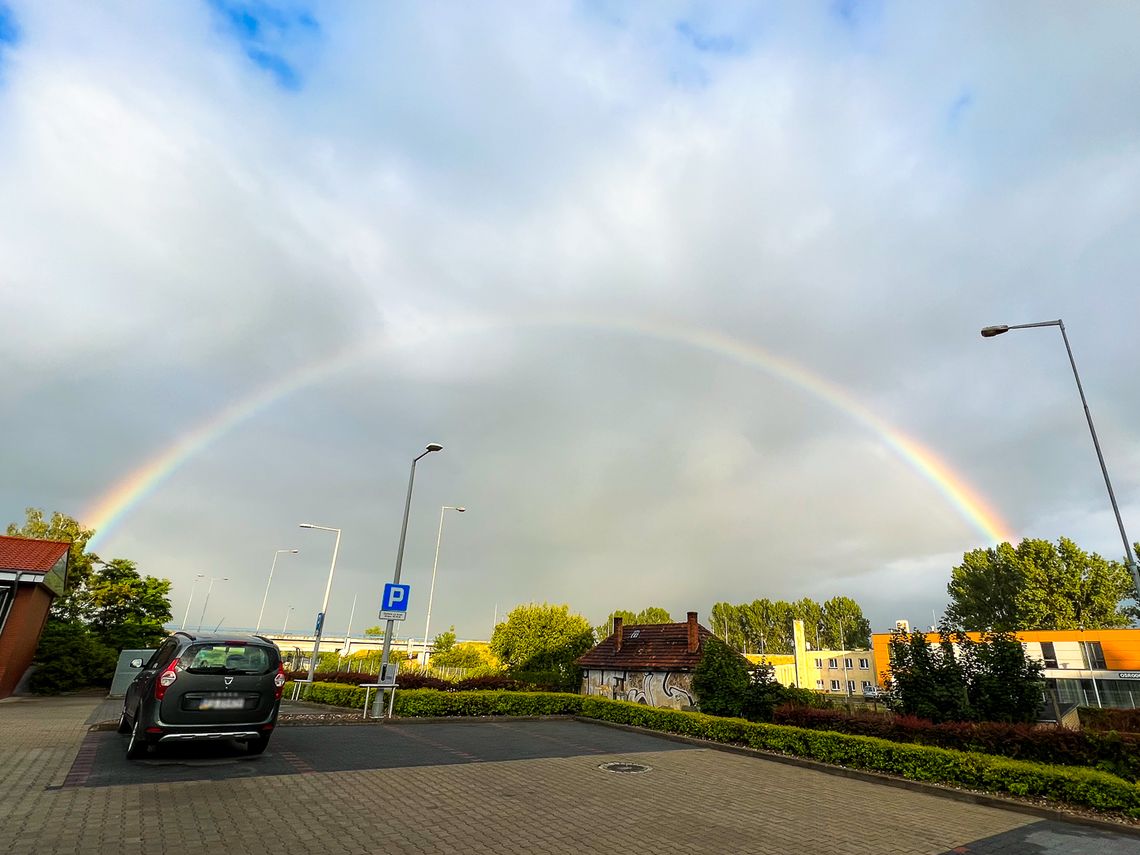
pixel 279 681
pixel 165 681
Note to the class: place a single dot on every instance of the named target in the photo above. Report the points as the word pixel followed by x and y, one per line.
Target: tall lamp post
pixel 272 567
pixel 1129 557
pixel 209 590
pixel 378 704
pixel 186 616
pixel 435 564
pixel 325 604
pixel 285 626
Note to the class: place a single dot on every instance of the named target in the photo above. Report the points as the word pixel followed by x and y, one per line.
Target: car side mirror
pixel 136 663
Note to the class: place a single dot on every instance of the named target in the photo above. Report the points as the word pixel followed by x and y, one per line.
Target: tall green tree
pixel 541 642
pixel 720 679
pixel 1038 585
pixel 650 614
pixel 1002 683
pixel 927 681
pixel 724 621
pixel 844 626
pixel 125 610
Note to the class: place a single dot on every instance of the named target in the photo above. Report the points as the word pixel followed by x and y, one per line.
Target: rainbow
pixel 110 508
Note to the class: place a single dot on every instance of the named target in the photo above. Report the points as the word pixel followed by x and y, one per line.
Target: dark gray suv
pixel 205 685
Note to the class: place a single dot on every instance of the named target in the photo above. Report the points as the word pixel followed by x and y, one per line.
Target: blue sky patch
pixel 854 14
pixel 958 107
pixel 707 42
pixel 9 32
pixel 271 35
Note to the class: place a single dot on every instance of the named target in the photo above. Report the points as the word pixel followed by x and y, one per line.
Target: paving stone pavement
pixel 693 800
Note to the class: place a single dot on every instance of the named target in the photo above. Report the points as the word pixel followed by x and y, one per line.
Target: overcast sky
pixel 509 231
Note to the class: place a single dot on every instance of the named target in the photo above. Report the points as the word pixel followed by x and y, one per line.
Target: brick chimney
pixel 617 634
pixel 694 636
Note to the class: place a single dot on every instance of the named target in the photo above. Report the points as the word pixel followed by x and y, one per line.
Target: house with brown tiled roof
pixel 32 573
pixel 649 664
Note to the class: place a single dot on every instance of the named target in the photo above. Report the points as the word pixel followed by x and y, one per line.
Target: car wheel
pixel 137 747
pixel 257 746
pixel 124 723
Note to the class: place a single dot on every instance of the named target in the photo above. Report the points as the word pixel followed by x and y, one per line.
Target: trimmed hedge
pixel 1118 754
pixel 419 680
pixel 983 772
pixel 426 703
pixel 1088 788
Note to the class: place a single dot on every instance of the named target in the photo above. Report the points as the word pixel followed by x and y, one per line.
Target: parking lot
pixel 482 786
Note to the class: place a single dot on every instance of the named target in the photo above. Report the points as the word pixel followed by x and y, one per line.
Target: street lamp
pixel 209 590
pixel 325 604
pixel 378 705
pixel 1129 558
pixel 272 567
pixel 186 616
pixel 286 626
pixel 435 564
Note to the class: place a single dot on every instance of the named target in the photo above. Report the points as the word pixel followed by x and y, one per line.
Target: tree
pixel 844 627
pixel 1038 585
pixel 650 614
pixel 125 610
pixel 925 681
pixel 1002 683
pixel 720 679
pixel 443 642
pixel 962 679
pixel 724 620
pixel 541 642
pixel 374 631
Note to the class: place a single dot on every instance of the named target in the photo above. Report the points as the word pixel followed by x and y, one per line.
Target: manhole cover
pixel 625 768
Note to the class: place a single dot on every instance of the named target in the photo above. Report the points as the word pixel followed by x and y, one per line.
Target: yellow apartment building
pixel 841 672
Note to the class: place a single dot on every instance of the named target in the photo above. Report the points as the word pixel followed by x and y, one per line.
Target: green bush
pixel 69 657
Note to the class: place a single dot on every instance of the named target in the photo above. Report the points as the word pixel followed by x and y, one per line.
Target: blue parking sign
pixel 395 598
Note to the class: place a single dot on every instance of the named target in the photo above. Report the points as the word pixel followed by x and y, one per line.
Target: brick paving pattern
pixel 694 800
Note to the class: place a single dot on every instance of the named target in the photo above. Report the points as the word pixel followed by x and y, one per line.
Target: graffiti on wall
pixel 659 689
pixel 653 688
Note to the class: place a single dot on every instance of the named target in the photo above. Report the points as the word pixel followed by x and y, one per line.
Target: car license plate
pixel 221 704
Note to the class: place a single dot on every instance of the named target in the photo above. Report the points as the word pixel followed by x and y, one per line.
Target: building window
pixel 832 663
pixel 850 687
pixel 835 685
pixel 819 664
pixel 1049 654
pixel 864 664
pixel 866 684
pixel 819 684
pixel 1094 655
pixel 847 663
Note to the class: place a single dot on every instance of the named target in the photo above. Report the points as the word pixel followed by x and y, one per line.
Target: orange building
pixel 32 573
pixel 1089 667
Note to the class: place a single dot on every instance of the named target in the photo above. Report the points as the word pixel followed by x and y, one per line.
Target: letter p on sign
pixel 395 598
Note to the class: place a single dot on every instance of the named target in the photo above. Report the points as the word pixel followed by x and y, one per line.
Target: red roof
pixel 648 647
pixel 29 555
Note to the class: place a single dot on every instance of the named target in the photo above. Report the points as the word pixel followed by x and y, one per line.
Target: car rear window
pixel 222 657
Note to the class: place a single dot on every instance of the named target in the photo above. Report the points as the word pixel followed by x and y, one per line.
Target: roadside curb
pixel 968 796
